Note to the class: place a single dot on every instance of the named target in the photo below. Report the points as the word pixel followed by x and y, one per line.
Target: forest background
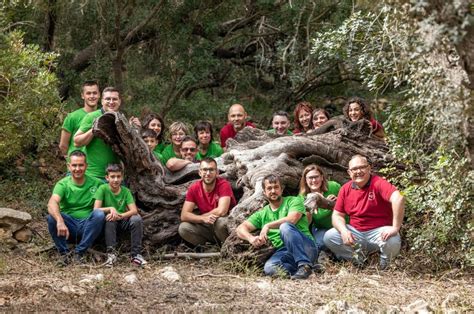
pixel 190 59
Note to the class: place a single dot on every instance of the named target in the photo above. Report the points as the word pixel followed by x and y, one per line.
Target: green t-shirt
pixel 76 201
pixel 159 157
pixel 167 154
pixel 71 125
pixel 109 199
pixel 213 151
pixel 266 215
pixel 272 131
pixel 159 148
pixel 99 154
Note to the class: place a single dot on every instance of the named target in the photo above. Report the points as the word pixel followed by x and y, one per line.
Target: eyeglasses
pixel 313 178
pixel 210 170
pixel 360 168
pixel 190 149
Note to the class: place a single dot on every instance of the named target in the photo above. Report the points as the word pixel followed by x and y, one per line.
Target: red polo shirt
pixel 369 207
pixel 208 201
pixel 228 131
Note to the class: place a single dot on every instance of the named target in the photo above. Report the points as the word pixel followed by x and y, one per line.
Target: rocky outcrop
pixel 13 227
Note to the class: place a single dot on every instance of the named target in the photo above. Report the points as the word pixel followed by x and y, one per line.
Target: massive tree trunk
pixel 251 155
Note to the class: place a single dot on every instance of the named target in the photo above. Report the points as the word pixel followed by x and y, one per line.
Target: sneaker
pixel 111 259
pixel 64 259
pixel 319 268
pixel 384 264
pixel 303 272
pixel 138 260
pixel 79 259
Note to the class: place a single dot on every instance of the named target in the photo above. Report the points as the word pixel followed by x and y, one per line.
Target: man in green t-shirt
pixel 99 154
pixel 284 223
pixel 90 94
pixel 70 210
pixel 188 151
pixel 280 123
pixel 122 215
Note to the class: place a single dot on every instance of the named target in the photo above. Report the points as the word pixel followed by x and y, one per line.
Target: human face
pixel 155 125
pixel 237 116
pixel 204 137
pixel 355 111
pixel 188 150
pixel 90 95
pixel 111 101
pixel 319 119
pixel 359 171
pixel 314 180
pixel 177 137
pixel 114 179
pixel 77 167
pixel 208 172
pixel 151 142
pixel 280 124
pixel 305 118
pixel 273 191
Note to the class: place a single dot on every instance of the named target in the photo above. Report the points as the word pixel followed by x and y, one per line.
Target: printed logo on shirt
pixel 93 189
pixel 371 196
pixel 120 202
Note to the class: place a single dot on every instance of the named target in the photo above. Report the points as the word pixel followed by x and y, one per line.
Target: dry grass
pixel 34 283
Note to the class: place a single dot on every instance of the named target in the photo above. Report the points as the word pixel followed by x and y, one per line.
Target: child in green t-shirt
pixel 151 139
pixel 121 215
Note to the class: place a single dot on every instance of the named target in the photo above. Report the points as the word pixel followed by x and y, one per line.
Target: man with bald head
pixel 237 121
pixel 375 208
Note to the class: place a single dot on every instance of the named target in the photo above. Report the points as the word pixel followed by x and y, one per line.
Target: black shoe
pixel 79 259
pixel 319 268
pixel 384 264
pixel 64 259
pixel 303 272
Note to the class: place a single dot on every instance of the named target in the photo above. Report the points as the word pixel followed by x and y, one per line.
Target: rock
pixel 89 278
pixel 338 306
pixel 263 285
pixel 170 274
pixel 13 219
pixel 131 278
pixel 419 306
pixel 23 235
pixel 70 289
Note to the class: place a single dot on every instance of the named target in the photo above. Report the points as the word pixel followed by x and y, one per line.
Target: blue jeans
pixel 318 235
pixel 298 250
pixel 368 241
pixel 81 231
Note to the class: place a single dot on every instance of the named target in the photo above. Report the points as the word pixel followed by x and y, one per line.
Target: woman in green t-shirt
pixel 155 122
pixel 314 180
pixel 207 148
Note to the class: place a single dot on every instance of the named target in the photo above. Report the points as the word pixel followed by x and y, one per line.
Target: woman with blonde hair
pixel 178 130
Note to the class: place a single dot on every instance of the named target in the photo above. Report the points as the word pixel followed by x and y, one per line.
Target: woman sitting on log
pixel 320 116
pixel 155 122
pixel 314 181
pixel 356 109
pixel 207 148
pixel 303 116
pixel 178 130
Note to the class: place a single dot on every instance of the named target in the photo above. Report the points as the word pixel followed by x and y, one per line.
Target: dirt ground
pixel 32 282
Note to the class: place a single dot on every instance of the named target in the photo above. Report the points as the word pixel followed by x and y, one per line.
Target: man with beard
pixel 236 117
pixel 99 154
pixel 375 208
pixel 283 221
pixel 91 95
pixel 208 201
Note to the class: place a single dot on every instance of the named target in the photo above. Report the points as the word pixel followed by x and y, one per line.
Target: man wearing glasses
pixel 375 208
pixel 188 152
pixel 99 154
pixel 208 201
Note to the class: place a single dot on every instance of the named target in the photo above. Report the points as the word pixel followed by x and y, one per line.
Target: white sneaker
pixel 138 260
pixel 111 259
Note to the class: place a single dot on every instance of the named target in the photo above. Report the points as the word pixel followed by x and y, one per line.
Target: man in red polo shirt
pixel 375 208
pixel 236 117
pixel 213 198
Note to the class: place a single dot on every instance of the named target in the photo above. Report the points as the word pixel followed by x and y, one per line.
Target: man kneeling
pixel 213 197
pixel 284 223
pixel 122 214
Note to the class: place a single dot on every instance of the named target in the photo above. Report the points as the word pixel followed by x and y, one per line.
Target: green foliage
pixel 28 97
pixel 426 125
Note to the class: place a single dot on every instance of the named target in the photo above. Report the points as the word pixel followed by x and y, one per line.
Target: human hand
pixel 256 241
pixel 332 197
pixel 388 232
pixel 210 219
pixel 135 121
pixel 347 237
pixel 263 233
pixel 63 231
pixel 113 215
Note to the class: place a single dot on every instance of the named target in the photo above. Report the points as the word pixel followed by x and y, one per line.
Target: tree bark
pixel 251 155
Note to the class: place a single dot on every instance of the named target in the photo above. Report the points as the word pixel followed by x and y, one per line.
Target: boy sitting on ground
pixel 117 203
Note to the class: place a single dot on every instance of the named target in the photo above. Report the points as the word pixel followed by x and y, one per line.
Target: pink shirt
pixel 369 207
pixel 208 201
pixel 228 131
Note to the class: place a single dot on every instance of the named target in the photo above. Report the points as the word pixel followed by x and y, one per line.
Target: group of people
pixel 364 215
